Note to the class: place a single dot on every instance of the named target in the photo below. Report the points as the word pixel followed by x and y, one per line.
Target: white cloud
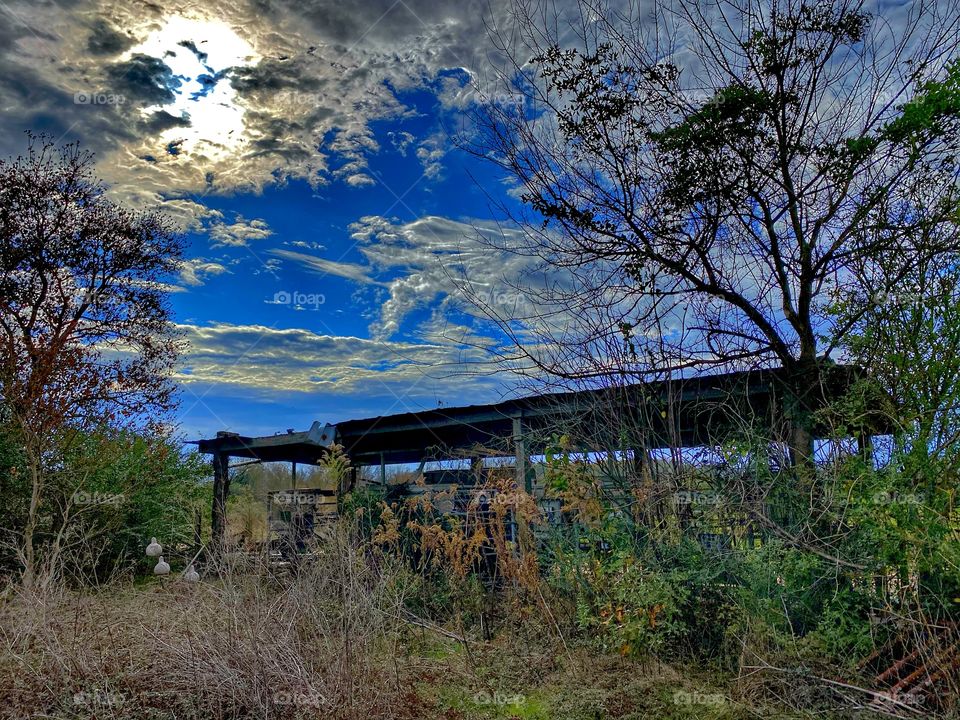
pixel 239 233
pixel 438 259
pixel 270 359
pixel 430 153
pixel 351 271
pixel 401 141
pixel 303 244
pixel 194 271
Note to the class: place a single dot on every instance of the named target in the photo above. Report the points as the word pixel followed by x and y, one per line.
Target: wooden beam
pixel 218 512
pixel 523 478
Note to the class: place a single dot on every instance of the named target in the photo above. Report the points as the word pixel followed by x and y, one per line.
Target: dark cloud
pixel 272 74
pixel 106 40
pixel 347 24
pixel 192 47
pixel 162 120
pixel 318 73
pixel 31 102
pixel 144 78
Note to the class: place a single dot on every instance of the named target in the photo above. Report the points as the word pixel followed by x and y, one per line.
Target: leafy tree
pixel 713 177
pixel 906 518
pixel 15 490
pixel 86 336
pixel 112 488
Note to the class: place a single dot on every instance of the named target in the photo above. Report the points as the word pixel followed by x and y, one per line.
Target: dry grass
pixel 314 648
pixel 330 641
pixel 246 645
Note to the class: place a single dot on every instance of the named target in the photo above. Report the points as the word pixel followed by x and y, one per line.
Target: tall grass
pixel 316 641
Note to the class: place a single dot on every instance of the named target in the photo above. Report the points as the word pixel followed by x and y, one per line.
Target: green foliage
pixel 698 149
pixel 114 490
pixel 15 491
pixel 784 587
pixel 934 112
pixel 364 505
pixel 335 464
pixel 902 507
pixel 628 606
pixel 844 634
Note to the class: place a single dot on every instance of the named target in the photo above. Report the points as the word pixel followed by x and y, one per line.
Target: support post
pixel 523 478
pixel 218 512
pixel 383 471
pixel 638 463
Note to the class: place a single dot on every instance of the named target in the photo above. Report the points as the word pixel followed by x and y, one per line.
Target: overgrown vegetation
pixel 779 569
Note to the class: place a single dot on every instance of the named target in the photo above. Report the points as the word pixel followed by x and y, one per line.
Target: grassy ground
pixel 256 651
pixel 510 678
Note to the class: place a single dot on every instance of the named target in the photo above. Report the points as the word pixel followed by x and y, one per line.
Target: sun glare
pixel 198 51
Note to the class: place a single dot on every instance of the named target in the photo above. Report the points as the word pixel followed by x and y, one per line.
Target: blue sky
pixel 304 149
pixel 319 224
pixel 309 272
pixel 336 232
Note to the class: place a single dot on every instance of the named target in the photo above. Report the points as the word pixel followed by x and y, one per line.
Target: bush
pixel 110 492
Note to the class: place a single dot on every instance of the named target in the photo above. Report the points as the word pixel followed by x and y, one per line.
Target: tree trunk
pixel 29 548
pixel 801 444
pixel 805 394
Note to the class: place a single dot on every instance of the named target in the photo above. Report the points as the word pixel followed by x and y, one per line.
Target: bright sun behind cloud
pixel 199 51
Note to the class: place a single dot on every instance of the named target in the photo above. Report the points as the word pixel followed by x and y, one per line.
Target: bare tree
pixel 86 335
pixel 714 177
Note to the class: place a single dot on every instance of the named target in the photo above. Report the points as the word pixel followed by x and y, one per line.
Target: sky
pixel 306 151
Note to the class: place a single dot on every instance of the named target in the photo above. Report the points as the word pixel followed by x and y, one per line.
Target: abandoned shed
pixel 634 420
